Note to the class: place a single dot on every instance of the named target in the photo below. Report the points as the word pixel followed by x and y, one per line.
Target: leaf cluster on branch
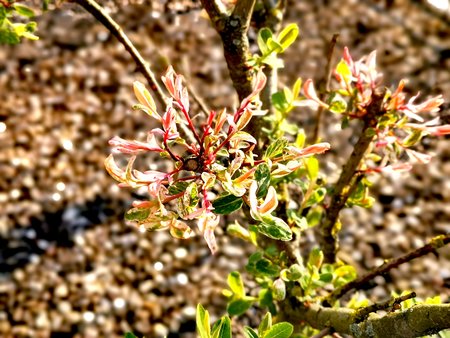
pixel 254 162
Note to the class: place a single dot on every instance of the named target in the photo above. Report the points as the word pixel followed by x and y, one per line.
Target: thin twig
pixel 191 89
pixel 340 195
pixel 432 246
pixel 389 304
pixel 326 89
pixel 102 16
pixel 326 331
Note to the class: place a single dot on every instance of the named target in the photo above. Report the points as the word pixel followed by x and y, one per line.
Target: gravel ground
pixel 70 267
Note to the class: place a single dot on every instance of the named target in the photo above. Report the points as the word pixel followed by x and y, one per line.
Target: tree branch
pixel 432 246
pixel 232 29
pixel 102 16
pixel 325 87
pixel 416 321
pixel 341 190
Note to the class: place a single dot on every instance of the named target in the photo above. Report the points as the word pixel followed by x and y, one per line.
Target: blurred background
pixel 71 267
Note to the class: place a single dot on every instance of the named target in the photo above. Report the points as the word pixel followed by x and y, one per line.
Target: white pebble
pixel 182 279
pixel 88 316
pixel 158 266
pixel 119 303
pixel 180 253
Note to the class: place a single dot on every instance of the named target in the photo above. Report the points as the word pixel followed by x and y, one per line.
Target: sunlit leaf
pixel 226 204
pixel 275 228
pixel 276 148
pixel 239 306
pixel 236 285
pixel 265 324
pixel 288 35
pixel 202 321
pixel 222 329
pixel 262 176
pixel 280 330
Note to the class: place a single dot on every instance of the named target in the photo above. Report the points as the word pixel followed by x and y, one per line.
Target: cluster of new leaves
pixel 399 124
pixel 11 32
pixel 270 46
pixel 218 159
pixel 222 328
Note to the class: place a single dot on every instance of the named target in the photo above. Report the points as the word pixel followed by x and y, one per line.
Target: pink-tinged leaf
pixel 286 169
pixel 439 130
pixel 168 120
pixel 244 119
pixel 348 58
pixel 431 105
pixel 168 80
pixel 260 82
pixel 383 142
pixel 314 149
pixel 220 120
pixel 144 98
pixel 418 157
pixel 207 224
pixel 112 168
pixel 132 147
pixel 310 93
pixel 398 167
pixel 270 202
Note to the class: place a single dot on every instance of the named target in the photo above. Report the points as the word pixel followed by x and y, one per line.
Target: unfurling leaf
pixel 222 328
pixel 202 321
pixel 288 35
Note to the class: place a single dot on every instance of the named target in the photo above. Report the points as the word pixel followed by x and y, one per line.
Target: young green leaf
pixel 297 219
pixel 267 268
pixel 130 335
pixel 316 257
pixel 249 332
pixel 316 197
pixel 23 10
pixel 296 88
pixel 222 329
pixel 280 102
pixel 262 176
pixel 202 321
pixel 280 330
pixel 265 324
pixel 239 306
pixel 236 285
pixel 312 167
pixel 288 35
pixel 263 35
pixel 276 228
pixel 226 204
pixel 276 148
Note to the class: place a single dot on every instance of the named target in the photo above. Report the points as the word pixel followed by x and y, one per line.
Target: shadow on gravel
pixel 54 229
